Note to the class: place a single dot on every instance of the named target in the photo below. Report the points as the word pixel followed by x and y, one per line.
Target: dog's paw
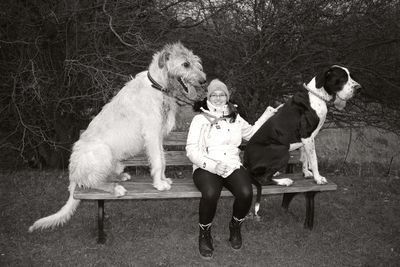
pixel 124 176
pixel 168 180
pixel 307 174
pixel 320 180
pixel 162 185
pixel 119 190
pixel 284 181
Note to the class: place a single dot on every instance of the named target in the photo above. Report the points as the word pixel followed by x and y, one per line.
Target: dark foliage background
pixel 61 61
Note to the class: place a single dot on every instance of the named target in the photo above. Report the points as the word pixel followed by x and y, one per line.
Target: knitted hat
pixel 217 85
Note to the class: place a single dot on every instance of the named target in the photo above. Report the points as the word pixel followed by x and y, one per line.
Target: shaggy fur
pixel 137 118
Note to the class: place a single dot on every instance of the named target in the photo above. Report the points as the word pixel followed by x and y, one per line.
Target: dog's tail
pixel 259 181
pixel 62 216
pixel 258 197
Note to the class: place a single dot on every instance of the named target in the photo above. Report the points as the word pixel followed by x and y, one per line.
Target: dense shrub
pixel 61 61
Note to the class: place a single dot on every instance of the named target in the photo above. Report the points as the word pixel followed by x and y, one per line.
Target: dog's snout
pixel 203 81
pixel 357 87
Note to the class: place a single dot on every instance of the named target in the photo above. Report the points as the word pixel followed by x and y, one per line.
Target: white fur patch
pixel 256 209
pixel 124 176
pixel 162 185
pixel 320 179
pixel 283 181
pixel 295 146
pixel 119 191
pixel 168 180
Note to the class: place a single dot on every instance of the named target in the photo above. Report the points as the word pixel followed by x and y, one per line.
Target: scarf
pixel 213 115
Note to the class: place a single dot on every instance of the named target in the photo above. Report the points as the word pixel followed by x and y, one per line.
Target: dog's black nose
pixel 203 82
pixel 357 87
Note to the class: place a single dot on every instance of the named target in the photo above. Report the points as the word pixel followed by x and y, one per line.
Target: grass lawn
pixel 358 225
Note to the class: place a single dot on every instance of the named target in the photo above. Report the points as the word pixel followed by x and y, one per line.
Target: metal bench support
pixel 100 222
pixel 309 222
pixel 287 198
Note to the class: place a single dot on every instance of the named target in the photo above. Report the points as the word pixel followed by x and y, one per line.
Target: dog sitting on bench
pixel 136 119
pixel 294 126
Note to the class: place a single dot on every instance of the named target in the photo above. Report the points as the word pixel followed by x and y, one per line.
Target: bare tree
pixel 60 62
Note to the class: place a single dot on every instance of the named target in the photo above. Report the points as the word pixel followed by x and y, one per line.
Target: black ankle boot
pixel 235 237
pixel 205 241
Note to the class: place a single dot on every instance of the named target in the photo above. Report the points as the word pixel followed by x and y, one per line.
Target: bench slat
pixel 175 139
pixel 178 158
pixel 172 158
pixel 184 188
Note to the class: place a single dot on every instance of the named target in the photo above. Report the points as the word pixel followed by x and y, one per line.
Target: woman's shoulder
pixel 239 119
pixel 199 118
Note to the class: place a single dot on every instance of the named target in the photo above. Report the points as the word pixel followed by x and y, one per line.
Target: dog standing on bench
pixel 295 126
pixel 137 118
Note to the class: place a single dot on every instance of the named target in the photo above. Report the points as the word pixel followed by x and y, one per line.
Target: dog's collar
pixel 337 96
pixel 155 84
pixel 325 97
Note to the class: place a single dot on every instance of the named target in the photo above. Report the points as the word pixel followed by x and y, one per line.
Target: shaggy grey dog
pixel 137 118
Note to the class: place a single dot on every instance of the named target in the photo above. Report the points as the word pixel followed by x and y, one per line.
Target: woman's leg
pixel 240 186
pixel 239 183
pixel 210 186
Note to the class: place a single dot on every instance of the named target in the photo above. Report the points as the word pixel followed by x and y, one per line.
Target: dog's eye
pixel 186 64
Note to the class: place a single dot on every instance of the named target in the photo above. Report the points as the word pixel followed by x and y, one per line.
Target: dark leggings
pixel 210 186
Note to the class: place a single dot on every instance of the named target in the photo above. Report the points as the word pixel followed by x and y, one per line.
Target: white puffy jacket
pixel 207 144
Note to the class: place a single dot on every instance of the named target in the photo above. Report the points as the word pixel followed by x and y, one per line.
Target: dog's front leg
pixel 303 158
pixel 309 148
pixel 163 166
pixel 305 164
pixel 155 155
pixel 120 175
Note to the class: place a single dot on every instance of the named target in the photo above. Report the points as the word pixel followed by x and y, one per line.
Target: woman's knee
pixel 210 194
pixel 245 193
pixel 240 184
pixel 208 184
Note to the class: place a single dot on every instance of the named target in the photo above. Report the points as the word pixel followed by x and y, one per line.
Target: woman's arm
pixel 249 130
pixel 195 147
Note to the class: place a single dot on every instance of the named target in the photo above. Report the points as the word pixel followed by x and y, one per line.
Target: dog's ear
pixel 335 79
pixel 163 59
pixel 320 79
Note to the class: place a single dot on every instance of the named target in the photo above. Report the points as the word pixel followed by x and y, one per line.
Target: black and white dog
pixel 294 126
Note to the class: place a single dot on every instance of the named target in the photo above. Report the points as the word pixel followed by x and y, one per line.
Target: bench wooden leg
pixel 100 222
pixel 287 198
pixel 309 222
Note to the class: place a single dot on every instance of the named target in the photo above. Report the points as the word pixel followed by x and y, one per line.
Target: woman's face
pixel 218 98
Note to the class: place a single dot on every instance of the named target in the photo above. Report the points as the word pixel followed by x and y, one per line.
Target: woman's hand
pixel 221 169
pixel 272 110
pixel 269 112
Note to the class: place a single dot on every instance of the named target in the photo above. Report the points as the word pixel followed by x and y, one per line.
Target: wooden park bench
pixel 175 155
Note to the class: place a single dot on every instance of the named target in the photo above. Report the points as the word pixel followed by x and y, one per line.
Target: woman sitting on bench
pixel 213 146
